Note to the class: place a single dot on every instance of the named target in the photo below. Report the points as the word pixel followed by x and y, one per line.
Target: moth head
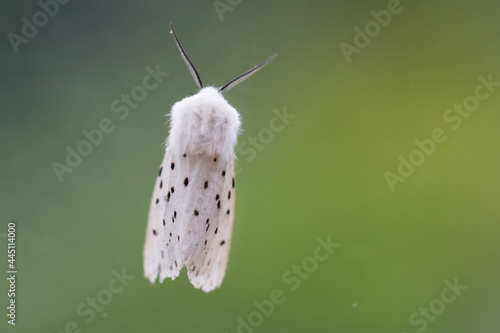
pixel 204 123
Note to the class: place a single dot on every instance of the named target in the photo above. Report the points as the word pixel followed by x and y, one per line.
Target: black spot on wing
pixel 186 181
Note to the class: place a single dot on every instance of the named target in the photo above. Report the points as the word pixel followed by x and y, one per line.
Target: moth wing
pixel 161 251
pixel 208 262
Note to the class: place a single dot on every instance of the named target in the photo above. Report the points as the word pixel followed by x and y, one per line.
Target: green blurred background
pixel 323 174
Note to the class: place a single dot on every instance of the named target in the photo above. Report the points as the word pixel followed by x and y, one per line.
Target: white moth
pixel 192 209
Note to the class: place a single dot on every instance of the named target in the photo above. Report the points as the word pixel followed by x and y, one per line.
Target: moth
pixel 192 209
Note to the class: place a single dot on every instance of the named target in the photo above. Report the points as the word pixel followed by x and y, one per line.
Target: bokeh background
pixel 322 175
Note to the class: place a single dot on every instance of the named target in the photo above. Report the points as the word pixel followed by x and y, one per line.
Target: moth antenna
pixel 245 75
pixel 188 62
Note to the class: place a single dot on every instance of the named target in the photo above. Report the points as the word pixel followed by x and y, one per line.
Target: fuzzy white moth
pixel 192 209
